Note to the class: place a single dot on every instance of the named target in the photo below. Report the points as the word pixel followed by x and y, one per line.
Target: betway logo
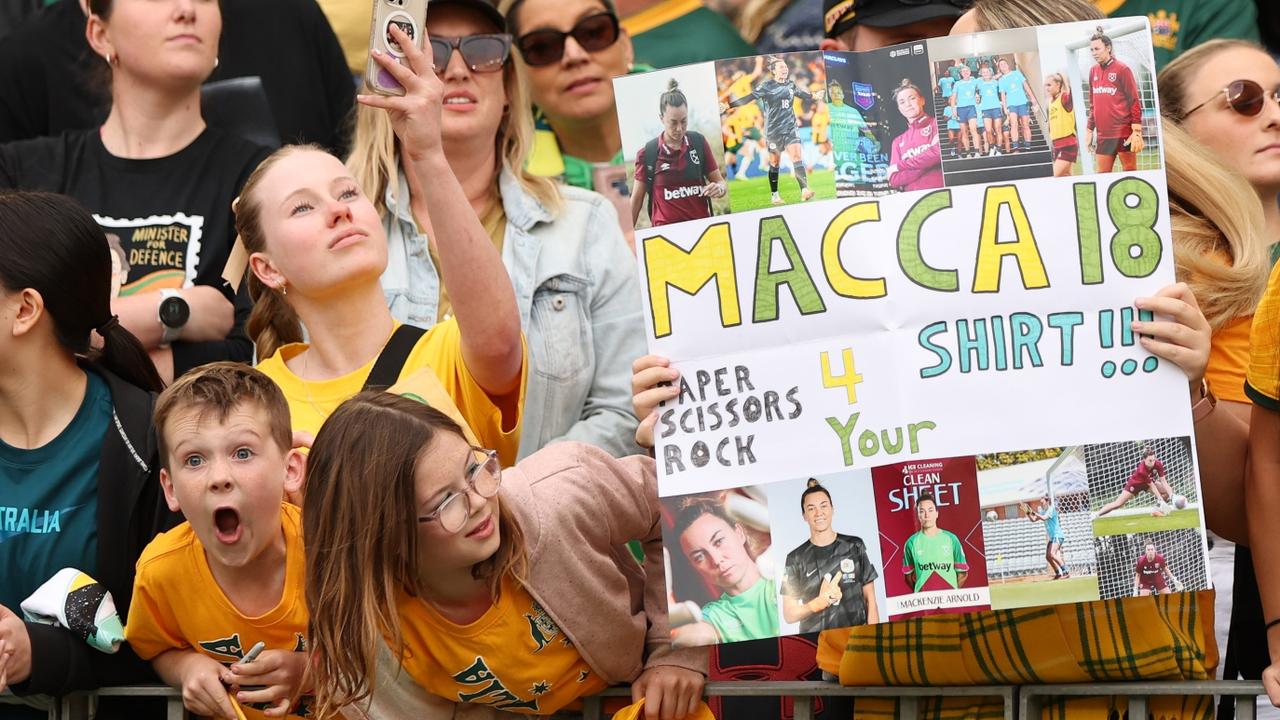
pixel 1104 91
pixel 934 567
pixel 682 192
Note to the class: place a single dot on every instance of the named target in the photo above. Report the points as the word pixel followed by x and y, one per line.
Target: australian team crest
pixel 864 95
pixel 542 629
pixel 1164 29
pixel 847 566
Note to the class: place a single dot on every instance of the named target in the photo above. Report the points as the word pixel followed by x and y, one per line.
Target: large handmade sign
pixel 902 289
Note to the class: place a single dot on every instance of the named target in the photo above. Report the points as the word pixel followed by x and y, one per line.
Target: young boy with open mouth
pixel 231 577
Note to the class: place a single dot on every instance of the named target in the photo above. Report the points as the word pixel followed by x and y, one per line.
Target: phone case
pixel 410 16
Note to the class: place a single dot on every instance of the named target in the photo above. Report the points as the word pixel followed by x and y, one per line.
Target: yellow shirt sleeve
pixel 1262 381
pixel 151 627
pixel 439 352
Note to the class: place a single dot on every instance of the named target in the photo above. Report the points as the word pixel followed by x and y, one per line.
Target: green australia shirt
pixel 679 32
pixel 1177 25
pixel 935 560
pixel 749 616
pixel 49 500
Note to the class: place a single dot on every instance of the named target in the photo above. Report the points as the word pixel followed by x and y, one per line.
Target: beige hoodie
pixel 578 507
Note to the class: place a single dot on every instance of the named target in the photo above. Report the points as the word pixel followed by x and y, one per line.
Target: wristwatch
pixel 173 314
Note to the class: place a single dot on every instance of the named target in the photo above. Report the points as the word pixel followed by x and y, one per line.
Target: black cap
pixel 840 15
pixel 483 7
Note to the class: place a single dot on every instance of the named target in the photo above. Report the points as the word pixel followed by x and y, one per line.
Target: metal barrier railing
pixel 1244 692
pixel 1020 701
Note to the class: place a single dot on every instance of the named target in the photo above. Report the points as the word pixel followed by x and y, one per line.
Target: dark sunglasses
pixel 481 53
pixel 593 33
pixel 1243 96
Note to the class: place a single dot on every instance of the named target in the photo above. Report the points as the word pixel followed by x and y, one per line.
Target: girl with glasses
pixel 512 589
pixel 576 291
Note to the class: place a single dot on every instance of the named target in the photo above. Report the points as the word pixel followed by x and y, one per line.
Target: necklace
pixel 306 383
pixel 306 386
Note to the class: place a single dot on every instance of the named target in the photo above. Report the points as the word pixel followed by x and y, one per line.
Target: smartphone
pixel 611 182
pixel 408 15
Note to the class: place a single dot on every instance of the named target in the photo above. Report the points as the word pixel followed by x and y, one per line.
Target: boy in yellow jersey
pixel 209 590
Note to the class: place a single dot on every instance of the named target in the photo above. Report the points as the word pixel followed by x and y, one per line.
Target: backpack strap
pixel 699 143
pixel 650 165
pixel 393 357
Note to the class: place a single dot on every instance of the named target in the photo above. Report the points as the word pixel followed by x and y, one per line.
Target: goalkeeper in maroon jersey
pixel 1151 572
pixel 1148 476
pixel 1115 111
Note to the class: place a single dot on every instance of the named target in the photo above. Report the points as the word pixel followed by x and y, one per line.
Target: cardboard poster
pixel 911 379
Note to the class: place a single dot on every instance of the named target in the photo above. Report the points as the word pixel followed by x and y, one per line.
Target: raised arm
pixel 477 282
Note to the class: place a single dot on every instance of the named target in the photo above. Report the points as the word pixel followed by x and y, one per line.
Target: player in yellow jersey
pixel 1062 125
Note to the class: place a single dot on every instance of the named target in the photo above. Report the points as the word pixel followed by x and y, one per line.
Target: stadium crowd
pixel 217 245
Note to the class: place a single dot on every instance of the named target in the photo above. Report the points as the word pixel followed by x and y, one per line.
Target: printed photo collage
pixel 750 133
pixel 1003 530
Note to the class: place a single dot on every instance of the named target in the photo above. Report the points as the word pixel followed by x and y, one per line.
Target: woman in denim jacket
pixel 574 277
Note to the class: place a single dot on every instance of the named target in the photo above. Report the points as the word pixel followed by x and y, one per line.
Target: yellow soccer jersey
pixel 177 603
pixel 1262 382
pixel 434 372
pixel 514 658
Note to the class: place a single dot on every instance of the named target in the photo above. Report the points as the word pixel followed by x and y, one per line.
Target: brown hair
pixel 673 97
pixel 1174 80
pixel 1009 14
pixel 272 322
pixel 219 388
pixel 360 519
pixel 906 84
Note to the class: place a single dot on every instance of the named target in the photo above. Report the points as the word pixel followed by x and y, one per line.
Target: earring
pixel 215 63
pixel 113 59
pixel 284 289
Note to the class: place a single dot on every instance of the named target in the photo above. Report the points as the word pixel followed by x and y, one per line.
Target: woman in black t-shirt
pixel 158 181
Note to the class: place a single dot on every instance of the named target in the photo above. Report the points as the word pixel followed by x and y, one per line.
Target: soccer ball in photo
pixel 991 516
pixel 1180 501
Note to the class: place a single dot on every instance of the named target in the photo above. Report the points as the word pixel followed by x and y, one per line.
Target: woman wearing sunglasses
pixel 512 589
pixel 575 284
pixel 572 50
pixel 1226 95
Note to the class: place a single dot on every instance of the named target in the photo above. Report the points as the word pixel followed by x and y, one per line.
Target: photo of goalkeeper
pixel 712 533
pixel 829 581
pixel 776 97
pixel 933 558
pixel 1115 110
pixel 1149 476
pixel 1150 573
pixel 1047 513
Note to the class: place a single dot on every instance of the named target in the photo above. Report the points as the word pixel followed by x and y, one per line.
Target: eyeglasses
pixel 481 53
pixel 1246 97
pixel 593 33
pixel 483 474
